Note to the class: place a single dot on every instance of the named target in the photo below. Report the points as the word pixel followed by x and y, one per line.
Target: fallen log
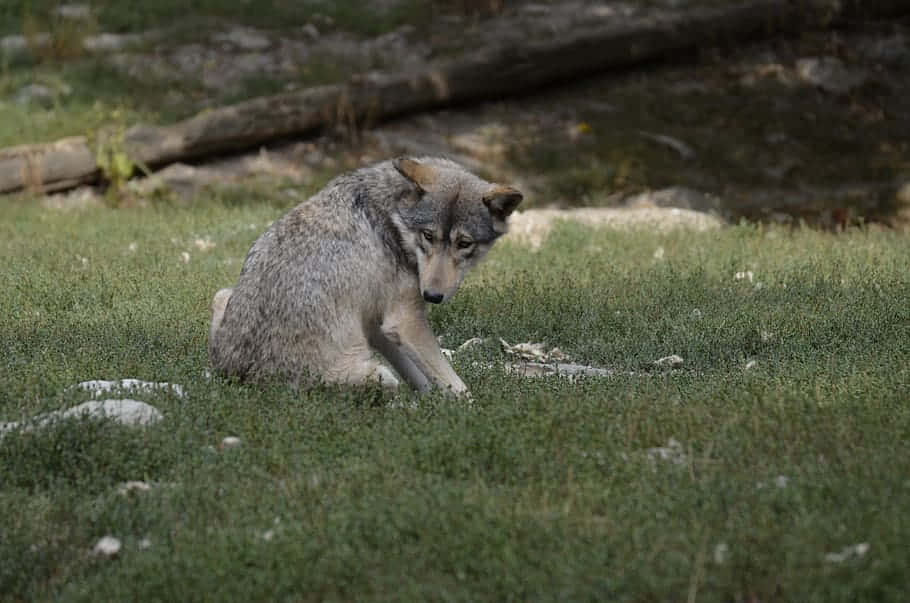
pixel 491 73
pixel 59 165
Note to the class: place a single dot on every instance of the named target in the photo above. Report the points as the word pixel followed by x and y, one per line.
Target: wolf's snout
pixel 433 298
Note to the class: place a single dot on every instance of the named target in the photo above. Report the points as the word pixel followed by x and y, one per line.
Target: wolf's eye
pixel 462 244
pixel 428 235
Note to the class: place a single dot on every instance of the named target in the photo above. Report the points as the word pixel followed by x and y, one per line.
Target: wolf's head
pixel 452 222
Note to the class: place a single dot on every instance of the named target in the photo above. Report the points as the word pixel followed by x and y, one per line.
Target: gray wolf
pixel 342 279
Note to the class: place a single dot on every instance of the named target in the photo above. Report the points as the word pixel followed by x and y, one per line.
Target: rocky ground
pixel 811 128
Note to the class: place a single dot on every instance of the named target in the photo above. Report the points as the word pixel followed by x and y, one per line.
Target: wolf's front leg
pixel 408 334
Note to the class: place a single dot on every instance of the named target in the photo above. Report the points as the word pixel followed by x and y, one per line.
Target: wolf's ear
pixel 421 174
pixel 502 201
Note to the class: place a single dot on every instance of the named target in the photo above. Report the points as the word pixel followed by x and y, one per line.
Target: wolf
pixel 341 281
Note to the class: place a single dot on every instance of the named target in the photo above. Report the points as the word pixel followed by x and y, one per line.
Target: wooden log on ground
pixel 487 74
pixel 44 168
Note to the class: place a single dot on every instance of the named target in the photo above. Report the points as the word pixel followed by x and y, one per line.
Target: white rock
pixel 111 42
pixel 559 369
pixel 685 151
pixel 672 452
pixel 669 361
pixel 245 38
pixel 99 387
pixel 74 11
pixel 310 31
pixel 721 553
pixel 185 256
pixel 125 412
pixel 855 550
pixel 828 73
pixel 659 253
pixel 750 365
pixel 229 442
pixel 470 343
pixel 204 244
pixel 532 351
pixel 746 275
pixel 107 546
pixel 133 486
pixel 35 94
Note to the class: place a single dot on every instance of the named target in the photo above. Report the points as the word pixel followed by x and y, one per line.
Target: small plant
pixel 114 162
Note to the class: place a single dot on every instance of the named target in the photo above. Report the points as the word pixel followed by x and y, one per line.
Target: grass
pixel 544 490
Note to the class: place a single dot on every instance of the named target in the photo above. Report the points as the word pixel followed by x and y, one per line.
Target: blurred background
pixel 793 112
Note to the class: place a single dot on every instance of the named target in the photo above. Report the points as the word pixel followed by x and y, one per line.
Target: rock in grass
pixel 559 369
pixel 852 551
pixel 673 452
pixel 533 351
pixel 829 73
pixel 35 94
pixel 126 488
pixel 75 12
pixel 229 442
pixel 669 361
pixel 125 412
pixel 107 546
pixel 99 387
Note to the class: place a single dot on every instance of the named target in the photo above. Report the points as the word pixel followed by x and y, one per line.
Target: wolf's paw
pixel 385 376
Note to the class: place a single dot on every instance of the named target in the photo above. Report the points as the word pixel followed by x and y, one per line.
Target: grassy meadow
pixel 545 489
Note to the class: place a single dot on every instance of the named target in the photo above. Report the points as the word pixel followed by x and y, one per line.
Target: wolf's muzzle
pixel 433 298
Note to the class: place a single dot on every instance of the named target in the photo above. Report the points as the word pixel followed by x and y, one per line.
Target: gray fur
pixel 342 277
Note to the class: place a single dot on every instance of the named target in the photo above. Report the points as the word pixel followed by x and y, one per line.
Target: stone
pixel 685 151
pixel 669 361
pixel 126 412
pixel 531 226
pixel 99 387
pixel 672 452
pixel 107 546
pixel 829 73
pixel 133 486
pixel 35 94
pixel 76 12
pixel 110 42
pixel 745 275
pixel 721 553
pixel 310 31
pixel 245 38
pixel 680 197
pixel 533 351
pixel 567 370
pixel 229 442
pixel 852 551
pixel 470 343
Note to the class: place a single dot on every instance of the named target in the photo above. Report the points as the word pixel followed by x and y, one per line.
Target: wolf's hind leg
pixel 219 303
pixel 359 366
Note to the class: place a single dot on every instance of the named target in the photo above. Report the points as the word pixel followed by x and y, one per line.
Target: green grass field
pixel 543 490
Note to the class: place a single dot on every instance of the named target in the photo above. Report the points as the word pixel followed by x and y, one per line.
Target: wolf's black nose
pixel 433 298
